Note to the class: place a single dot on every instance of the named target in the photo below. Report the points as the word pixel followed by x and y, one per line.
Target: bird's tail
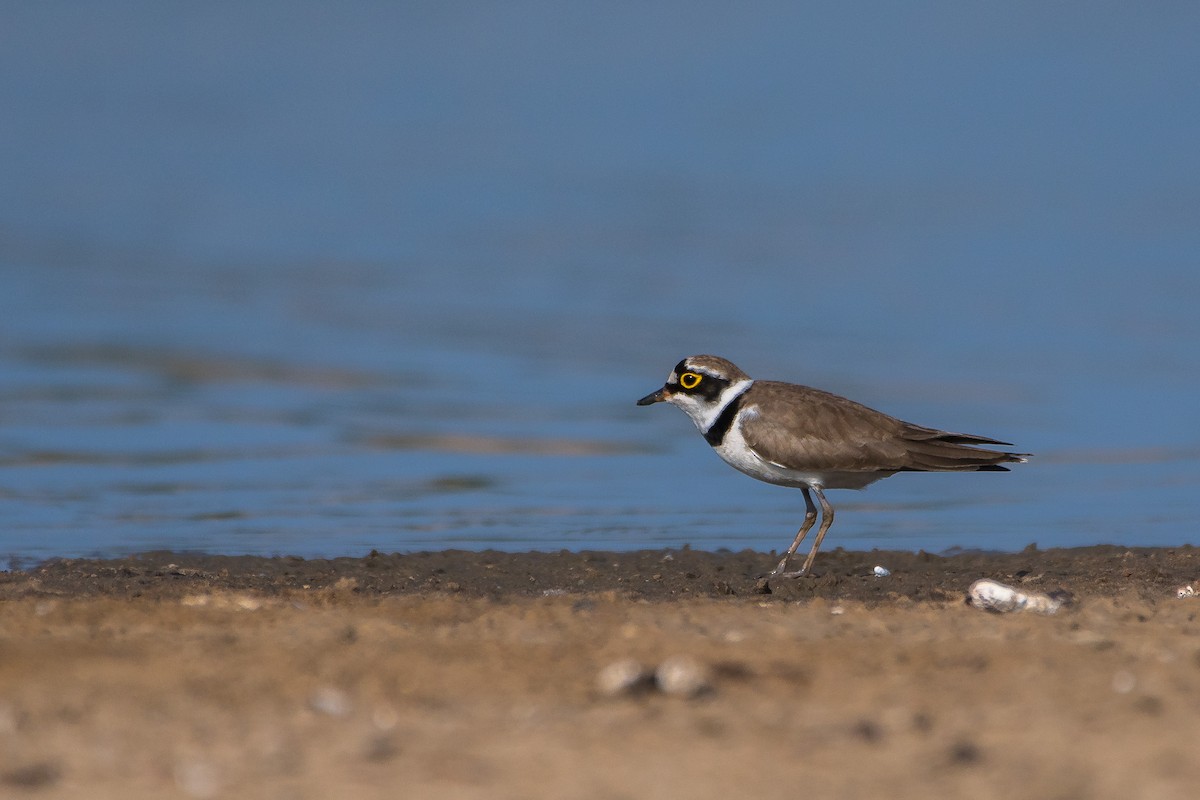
pixel 941 451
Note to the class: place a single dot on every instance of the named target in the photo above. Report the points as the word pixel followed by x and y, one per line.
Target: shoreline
pixel 660 574
pixel 491 675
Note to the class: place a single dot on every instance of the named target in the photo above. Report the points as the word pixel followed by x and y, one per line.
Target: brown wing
pixel 825 432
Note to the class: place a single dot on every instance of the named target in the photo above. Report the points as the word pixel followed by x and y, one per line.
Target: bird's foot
pixel 797 573
pixel 778 575
pixel 781 572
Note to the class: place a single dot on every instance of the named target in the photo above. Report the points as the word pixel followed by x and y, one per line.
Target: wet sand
pixel 479 675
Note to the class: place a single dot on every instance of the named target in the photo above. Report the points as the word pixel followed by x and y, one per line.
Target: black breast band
pixel 721 425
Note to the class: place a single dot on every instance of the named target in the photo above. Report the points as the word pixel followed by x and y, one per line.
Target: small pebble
pixel 331 701
pixel 625 676
pixel 1124 681
pixel 682 676
pixel 384 717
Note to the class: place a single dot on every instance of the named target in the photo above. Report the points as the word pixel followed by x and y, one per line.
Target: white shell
pixel 992 595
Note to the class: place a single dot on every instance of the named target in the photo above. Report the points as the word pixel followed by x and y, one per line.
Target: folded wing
pixel 826 432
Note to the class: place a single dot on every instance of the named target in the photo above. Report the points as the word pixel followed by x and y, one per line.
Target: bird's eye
pixel 689 380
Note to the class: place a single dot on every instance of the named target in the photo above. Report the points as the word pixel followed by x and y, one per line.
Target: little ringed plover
pixel 797 436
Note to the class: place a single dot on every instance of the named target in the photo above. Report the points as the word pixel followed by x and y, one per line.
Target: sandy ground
pixel 481 675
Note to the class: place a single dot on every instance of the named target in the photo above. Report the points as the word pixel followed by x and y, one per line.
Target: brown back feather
pixel 824 431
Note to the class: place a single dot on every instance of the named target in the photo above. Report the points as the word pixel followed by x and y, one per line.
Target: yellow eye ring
pixel 689 380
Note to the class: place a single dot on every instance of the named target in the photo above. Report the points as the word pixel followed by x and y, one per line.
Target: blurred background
pixel 314 279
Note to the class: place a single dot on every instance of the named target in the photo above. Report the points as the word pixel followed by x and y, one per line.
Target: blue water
pixel 296 278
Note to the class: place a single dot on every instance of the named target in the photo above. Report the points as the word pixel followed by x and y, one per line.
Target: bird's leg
pixel 810 516
pixel 826 521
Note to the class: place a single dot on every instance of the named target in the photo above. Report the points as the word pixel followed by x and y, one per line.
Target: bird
pixel 797 436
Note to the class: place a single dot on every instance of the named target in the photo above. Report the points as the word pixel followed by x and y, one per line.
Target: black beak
pixel 653 397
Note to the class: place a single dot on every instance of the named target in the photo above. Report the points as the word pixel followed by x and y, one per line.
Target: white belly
pixel 737 454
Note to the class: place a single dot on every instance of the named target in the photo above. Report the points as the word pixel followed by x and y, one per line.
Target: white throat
pixel 705 413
